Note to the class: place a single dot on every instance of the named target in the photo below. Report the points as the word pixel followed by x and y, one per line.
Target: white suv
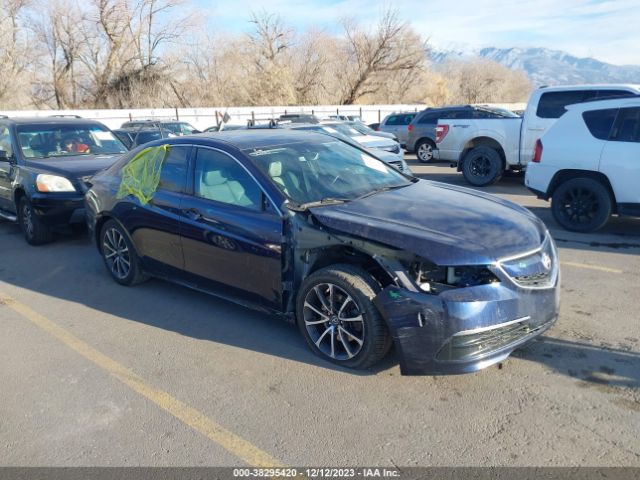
pixel 588 163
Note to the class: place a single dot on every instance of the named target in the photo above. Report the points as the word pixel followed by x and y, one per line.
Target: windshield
pixel 314 171
pixel 51 140
pixel 362 128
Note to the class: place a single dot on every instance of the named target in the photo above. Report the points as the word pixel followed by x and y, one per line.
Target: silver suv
pixel 397 123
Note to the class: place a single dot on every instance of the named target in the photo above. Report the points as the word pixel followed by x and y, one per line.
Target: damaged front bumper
pixel 464 330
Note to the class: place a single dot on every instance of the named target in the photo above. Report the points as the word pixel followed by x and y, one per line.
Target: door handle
pixel 192 213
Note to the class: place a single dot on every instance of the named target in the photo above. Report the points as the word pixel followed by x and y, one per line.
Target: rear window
pixel 553 104
pixel 600 122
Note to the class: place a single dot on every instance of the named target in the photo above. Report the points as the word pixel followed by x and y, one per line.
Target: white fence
pixel 205 117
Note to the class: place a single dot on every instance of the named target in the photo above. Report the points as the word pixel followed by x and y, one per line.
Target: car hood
pixel 445 224
pixel 79 166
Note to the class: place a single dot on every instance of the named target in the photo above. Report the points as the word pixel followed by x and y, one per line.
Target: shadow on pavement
pixel 601 366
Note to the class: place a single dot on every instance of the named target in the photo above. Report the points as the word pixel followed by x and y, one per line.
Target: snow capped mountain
pixel 549 67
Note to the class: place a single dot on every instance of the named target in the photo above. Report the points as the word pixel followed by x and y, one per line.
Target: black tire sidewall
pixel 341 275
pixel 496 166
pixel 41 233
pixel 603 198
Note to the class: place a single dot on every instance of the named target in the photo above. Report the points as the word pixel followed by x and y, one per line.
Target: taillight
pixel 537 153
pixel 410 128
pixel 441 132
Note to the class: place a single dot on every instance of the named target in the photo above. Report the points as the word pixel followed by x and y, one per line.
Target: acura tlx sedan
pixel 359 255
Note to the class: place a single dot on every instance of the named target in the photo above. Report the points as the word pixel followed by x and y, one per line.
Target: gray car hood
pixel 445 224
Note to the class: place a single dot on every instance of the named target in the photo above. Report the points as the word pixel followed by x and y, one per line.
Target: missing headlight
pixel 435 279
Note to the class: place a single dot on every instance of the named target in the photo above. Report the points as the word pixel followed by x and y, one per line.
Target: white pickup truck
pixel 485 148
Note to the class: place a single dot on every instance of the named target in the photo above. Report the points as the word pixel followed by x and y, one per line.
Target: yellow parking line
pixel 591 267
pixel 228 440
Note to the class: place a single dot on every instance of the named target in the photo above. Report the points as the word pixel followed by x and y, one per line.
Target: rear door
pixel 620 160
pixel 232 235
pixel 155 226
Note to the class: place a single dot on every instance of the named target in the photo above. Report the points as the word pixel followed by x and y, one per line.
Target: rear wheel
pixel 482 166
pixel 424 151
pixel 581 205
pixel 35 232
pixel 119 255
pixel 337 318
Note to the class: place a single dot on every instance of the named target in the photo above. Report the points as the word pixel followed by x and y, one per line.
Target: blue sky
pixel 603 29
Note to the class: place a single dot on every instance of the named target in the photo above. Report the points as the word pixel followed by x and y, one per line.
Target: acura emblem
pixel 546 261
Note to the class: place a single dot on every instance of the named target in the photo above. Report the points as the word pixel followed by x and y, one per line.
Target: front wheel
pixel 581 205
pixel 424 151
pixel 338 319
pixel 482 166
pixel 119 256
pixel 35 232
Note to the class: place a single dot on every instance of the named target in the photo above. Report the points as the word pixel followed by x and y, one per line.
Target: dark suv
pixel 45 165
pixel 422 130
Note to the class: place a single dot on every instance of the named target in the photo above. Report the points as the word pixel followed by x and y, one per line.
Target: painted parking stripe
pixel 191 417
pixel 591 267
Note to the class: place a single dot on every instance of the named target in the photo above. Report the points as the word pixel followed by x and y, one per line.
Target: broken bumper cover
pixel 466 329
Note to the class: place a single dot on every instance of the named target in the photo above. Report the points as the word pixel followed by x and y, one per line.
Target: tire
pixel 424 151
pixel 356 343
pixel 581 205
pixel 119 255
pixel 35 232
pixel 482 166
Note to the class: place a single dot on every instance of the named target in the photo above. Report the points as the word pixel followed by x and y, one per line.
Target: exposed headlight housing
pixel 53 183
pixel 435 279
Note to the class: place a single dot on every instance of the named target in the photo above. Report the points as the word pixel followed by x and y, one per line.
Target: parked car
pixel 132 137
pixel 373 126
pixel 368 141
pixel 365 130
pixel 389 158
pixel 345 118
pixel 397 124
pixel 313 229
pixel 224 126
pixel 45 166
pixel 421 136
pixel 484 148
pixel 174 126
pixel 588 164
pixel 299 118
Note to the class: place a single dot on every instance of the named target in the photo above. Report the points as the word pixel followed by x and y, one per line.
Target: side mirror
pixel 4 156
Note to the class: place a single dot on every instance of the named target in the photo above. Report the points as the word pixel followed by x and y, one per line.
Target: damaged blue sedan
pixel 359 255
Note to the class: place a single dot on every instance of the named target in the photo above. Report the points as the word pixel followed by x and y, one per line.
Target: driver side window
pixel 5 141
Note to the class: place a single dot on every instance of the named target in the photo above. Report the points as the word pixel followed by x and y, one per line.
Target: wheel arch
pixel 562 176
pixel 482 141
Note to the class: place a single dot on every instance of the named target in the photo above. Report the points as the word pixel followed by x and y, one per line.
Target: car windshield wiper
pixel 300 207
pixel 383 189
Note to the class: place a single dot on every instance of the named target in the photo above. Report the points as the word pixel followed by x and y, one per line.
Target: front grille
pixel 474 345
pixel 534 270
pixel 397 165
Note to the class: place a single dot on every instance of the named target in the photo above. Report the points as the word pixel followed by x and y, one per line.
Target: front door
pixel 7 166
pixel 232 234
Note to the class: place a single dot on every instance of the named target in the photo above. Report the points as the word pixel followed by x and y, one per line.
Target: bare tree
pixel 393 47
pixel 13 50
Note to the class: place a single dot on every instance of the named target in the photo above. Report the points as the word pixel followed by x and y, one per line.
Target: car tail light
pixel 537 153
pixel 441 132
pixel 410 128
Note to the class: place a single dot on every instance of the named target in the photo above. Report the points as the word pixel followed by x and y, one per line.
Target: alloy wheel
pixel 425 152
pixel 480 166
pixel 27 220
pixel 580 205
pixel 334 321
pixel 116 253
